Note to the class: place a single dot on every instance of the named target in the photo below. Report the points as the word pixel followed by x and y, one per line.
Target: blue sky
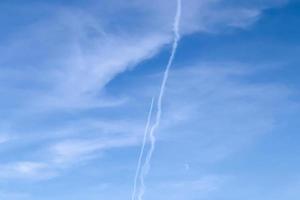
pixel 76 82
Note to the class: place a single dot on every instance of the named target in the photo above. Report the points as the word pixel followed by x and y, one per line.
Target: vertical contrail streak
pixel 142 150
pixel 146 166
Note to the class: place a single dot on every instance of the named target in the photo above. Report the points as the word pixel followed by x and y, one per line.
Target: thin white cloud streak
pixel 78 142
pixel 61 156
pixel 34 170
pixel 73 151
pixel 138 169
pixel 146 166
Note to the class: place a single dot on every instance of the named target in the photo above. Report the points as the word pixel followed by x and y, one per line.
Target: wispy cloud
pixel 215 105
pixel 55 71
pixel 211 92
pixel 69 151
pixel 26 170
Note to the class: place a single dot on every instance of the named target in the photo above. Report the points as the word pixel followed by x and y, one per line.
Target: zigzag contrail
pixel 146 167
pixel 142 150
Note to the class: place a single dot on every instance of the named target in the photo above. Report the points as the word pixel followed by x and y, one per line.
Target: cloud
pixel 213 111
pixel 71 151
pixel 60 156
pixel 72 53
pixel 66 58
pixel 55 70
pixel 72 145
pixel 219 109
pixel 26 170
pixel 214 106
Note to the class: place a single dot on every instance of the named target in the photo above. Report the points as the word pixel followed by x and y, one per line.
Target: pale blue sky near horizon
pixel 76 82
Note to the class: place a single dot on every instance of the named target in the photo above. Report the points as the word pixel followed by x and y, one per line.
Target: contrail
pixel 146 167
pixel 142 150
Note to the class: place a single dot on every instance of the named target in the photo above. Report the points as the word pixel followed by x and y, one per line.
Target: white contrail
pixel 142 150
pixel 146 167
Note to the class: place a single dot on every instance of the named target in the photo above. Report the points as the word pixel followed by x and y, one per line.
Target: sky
pixel 76 82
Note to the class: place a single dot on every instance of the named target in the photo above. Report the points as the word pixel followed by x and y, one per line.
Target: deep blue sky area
pixel 76 83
